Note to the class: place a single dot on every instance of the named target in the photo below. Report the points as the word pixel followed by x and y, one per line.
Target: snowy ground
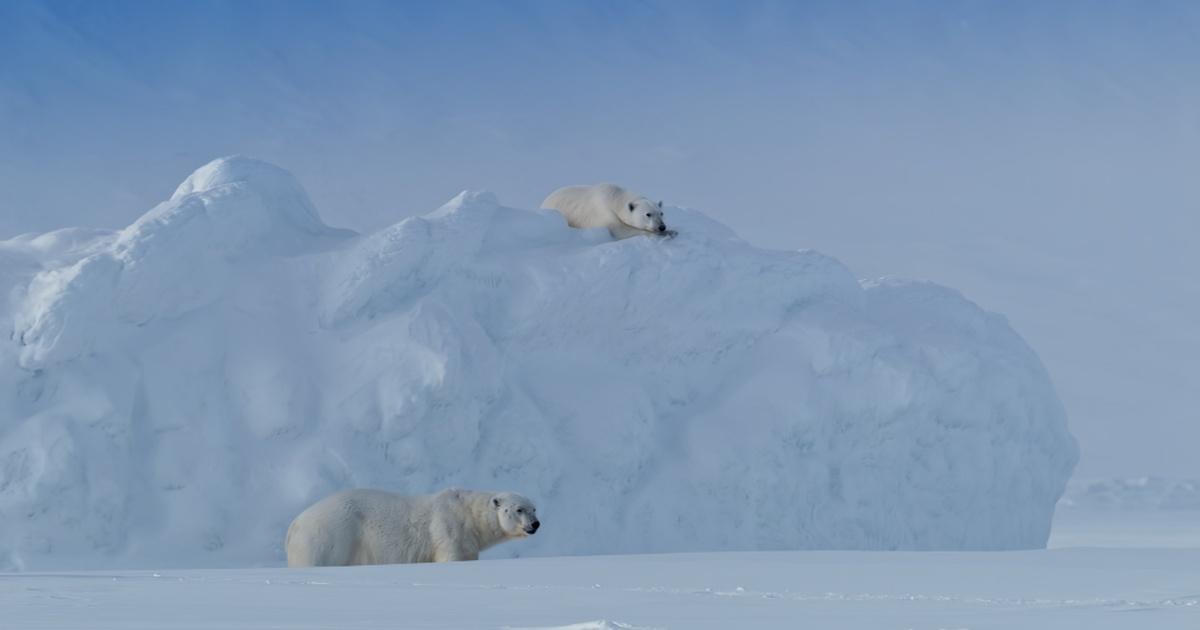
pixel 1061 588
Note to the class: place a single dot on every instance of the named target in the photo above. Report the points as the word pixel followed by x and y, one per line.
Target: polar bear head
pixel 643 214
pixel 517 514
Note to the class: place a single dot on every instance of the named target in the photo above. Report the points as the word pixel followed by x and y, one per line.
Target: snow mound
pixel 1133 494
pixel 176 392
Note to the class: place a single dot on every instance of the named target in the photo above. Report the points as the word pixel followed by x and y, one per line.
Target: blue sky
pixel 519 96
pixel 1039 156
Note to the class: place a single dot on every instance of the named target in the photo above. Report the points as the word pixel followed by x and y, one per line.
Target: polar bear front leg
pixel 450 554
pixel 450 542
pixel 622 231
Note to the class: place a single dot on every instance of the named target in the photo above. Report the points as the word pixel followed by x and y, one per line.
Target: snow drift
pixel 175 392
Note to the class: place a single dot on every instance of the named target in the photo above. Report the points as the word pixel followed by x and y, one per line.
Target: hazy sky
pixel 1042 157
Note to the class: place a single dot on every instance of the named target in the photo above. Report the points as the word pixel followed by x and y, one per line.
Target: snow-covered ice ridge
pixel 1132 494
pixel 173 393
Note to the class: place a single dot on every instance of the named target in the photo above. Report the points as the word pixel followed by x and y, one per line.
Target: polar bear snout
pixel 662 227
pixel 533 527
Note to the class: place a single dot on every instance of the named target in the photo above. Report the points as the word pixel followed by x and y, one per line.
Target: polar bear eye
pixel 520 510
pixel 631 207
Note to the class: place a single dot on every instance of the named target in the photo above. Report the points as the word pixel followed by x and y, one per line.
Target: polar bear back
pixel 351 527
pixel 363 526
pixel 590 206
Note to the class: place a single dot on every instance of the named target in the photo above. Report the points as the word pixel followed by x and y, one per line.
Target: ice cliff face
pixel 175 392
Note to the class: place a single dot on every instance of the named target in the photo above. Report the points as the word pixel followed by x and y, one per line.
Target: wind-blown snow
pixel 177 391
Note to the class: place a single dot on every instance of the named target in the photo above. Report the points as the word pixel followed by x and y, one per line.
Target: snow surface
pixel 1096 589
pixel 176 391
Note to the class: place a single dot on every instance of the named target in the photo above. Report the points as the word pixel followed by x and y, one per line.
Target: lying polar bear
pixel 377 527
pixel 608 206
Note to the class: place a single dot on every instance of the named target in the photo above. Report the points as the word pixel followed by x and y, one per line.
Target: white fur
pixel 376 527
pixel 608 206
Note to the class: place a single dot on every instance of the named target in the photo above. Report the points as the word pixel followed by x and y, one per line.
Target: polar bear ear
pixel 660 204
pixel 496 502
pixel 631 206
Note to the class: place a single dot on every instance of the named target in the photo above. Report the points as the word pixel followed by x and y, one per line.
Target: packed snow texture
pixel 176 391
pixel 1092 589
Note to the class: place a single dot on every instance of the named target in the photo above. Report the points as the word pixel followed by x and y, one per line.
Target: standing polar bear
pixel 608 206
pixel 376 527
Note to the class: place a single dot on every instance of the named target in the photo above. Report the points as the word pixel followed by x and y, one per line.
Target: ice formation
pixel 173 393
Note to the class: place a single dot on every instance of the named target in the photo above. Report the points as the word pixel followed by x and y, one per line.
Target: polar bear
pixel 609 206
pixel 376 527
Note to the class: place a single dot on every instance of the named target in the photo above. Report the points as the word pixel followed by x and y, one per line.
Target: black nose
pixel 662 228
pixel 535 526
